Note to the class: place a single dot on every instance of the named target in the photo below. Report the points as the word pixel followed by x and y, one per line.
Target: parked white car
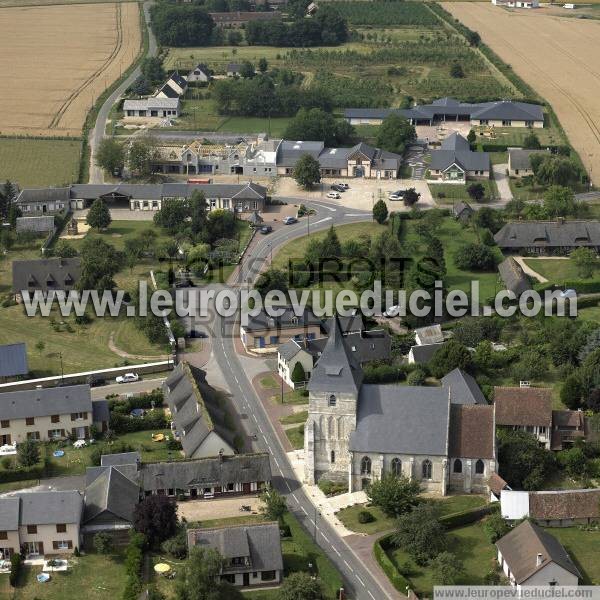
pixel 568 294
pixel 127 378
pixel 396 196
pixel 334 195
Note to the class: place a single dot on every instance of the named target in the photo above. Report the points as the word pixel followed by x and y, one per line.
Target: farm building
pixel 44 200
pixel 238 18
pixel 462 211
pixel 234 70
pixel 517 3
pixel 503 113
pixel 455 162
pixel 42 224
pixel 153 107
pixel 519 163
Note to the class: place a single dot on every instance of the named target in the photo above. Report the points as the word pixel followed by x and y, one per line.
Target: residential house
pixel 153 107
pixel 37 225
pixel 13 361
pixel 503 113
pixel 455 162
pixel 198 421
pixel 252 553
pixel 519 161
pixel 421 355
pixel 40 524
pixel 356 432
pixel 432 334
pixel 240 18
pixel 45 276
pixel 366 346
pixel 44 201
pixel 554 238
pixel 234 70
pixel 530 556
pixel 517 3
pixel 462 211
pixel 525 409
pixel 200 73
pixel 47 414
pixel 513 276
pixel 568 426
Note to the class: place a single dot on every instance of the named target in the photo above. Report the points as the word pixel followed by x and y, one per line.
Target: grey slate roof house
pixel 421 355
pixel 199 73
pixel 513 276
pixel 41 224
pixel 252 553
pixel 504 113
pixel 462 211
pixel 234 69
pixel 153 107
pixel 45 275
pixel 198 422
pixel 519 163
pixel 455 161
pixel 529 555
pixel 13 361
pixel 43 200
pixel 548 237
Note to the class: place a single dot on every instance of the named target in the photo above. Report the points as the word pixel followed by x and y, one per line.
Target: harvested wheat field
pixel 558 57
pixel 56 61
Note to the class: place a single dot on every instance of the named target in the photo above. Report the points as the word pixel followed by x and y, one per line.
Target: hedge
pixel 16 563
pixel 154 419
pixel 141 401
pixel 468 516
pixel 389 568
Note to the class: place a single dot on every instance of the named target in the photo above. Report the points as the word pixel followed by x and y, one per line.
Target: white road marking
pixel 325 207
pixel 287 485
pixel 355 215
pixel 361 581
pixel 368 592
pixel 351 569
pixel 325 537
pixel 322 221
pixel 304 510
pixel 335 550
pixel 294 497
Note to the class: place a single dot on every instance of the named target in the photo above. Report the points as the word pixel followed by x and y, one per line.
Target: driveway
pixel 218 508
pixel 501 179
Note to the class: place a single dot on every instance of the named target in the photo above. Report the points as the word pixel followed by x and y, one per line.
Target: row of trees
pixel 181 25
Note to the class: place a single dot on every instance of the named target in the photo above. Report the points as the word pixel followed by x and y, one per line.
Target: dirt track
pixel 57 60
pixel 558 57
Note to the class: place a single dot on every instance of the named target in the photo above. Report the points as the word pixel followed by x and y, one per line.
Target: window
pixel 62 545
pixel 29 421
pixel 397 467
pixel 230 487
pixel 55 419
pixel 457 466
pixel 506 123
pixel 426 469
pixel 331 401
pixel 5 423
pixel 479 467
pixel 61 528
pixel 333 456
pixel 267 575
pixel 542 429
pixel 365 466
pixel 3 535
pixel 31 529
pixel 54 433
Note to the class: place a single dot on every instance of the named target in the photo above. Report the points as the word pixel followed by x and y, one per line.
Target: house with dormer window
pixel 455 162
pixel 45 276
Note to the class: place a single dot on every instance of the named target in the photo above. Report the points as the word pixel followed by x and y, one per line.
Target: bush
pixel 103 543
pixel 379 549
pixel 16 562
pixel 176 546
pixel 466 517
pixel 332 488
pixel 416 377
pixel 364 516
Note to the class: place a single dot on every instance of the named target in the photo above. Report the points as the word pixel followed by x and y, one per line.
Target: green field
pixel 39 162
pixel 8 3
pixel 455 191
pixel 549 135
pixel 555 270
pixel 522 191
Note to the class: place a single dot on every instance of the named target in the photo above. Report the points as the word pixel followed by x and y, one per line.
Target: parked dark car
pixel 266 229
pixel 338 188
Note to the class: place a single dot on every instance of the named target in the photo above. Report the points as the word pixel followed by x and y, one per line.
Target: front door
pixel 193 492
pixel 246 579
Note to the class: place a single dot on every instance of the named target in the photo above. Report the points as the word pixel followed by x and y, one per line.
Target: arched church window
pixel 365 466
pixel 458 466
pixel 426 469
pixel 479 467
pixel 397 467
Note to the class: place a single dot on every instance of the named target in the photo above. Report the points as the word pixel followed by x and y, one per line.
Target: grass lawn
pixel 291 397
pixel 469 544
pixel 446 506
pixel 268 382
pixel 584 549
pixel 39 162
pixel 592 313
pixel 514 136
pixel 520 191
pixel 556 270
pixel 296 436
pixel 96 576
pixel 299 417
pixel 17 252
pixel 456 191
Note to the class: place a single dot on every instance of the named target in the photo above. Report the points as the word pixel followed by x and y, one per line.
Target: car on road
pixel 392 311
pixel 399 195
pixel 290 220
pixel 570 293
pixel 127 378
pixel 342 185
pixel 265 229
pixel 334 195
pixel 198 333
pixel 338 188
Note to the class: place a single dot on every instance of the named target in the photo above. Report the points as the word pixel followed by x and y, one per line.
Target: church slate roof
pixel 393 419
pixel 463 388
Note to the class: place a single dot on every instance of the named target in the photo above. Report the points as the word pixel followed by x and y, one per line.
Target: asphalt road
pixel 137 387
pixel 97 133
pixel 358 582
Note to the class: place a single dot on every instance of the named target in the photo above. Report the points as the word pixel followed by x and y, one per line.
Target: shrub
pixel 16 562
pixel 379 549
pixel 467 516
pixel 332 488
pixel 176 546
pixel 364 516
pixel 103 542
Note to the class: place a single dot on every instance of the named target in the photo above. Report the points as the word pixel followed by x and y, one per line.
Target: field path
pixel 557 56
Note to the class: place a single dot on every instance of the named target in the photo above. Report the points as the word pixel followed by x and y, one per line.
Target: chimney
pixel 539 560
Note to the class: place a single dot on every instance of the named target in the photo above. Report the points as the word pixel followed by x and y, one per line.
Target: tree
pixel 593 400
pixel 495 527
pixel 395 134
pixel 417 376
pixel 271 279
pixel 173 215
pixel 40 345
pixel 524 464
pixel 475 257
pixel 200 579
pixel 473 38
pixel 452 355
pixel 489 218
pixel 552 169
pixel 446 569
pixel 573 461
pixel 63 249
pixel 330 245
pixel 531 141
pixel 300 586
pixel 247 70
pixel 263 65
pixel 110 156
pixel 559 201
pixel 198 212
pixel 103 542
pixel 307 171
pixel 234 37
pixel 471 136
pixel 472 330
pixel 181 25
pixel 317 124
pixel 143 153
pixel 99 264
pixel 420 534
pixel 456 71
pixel 476 191
pixel 411 197
pixel 7 195
pixel 394 494
pixel 156 517
pixel 532 365
pixel 99 215
pixel 152 70
pixel 220 224
pixel 28 453
pixel 380 212
pixel 586 262
pixel 298 374
pixel 274 506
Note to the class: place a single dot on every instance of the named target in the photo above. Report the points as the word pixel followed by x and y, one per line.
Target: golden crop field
pixel 557 56
pixel 56 60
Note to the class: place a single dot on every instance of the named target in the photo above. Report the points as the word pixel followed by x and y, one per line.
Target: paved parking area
pixel 218 508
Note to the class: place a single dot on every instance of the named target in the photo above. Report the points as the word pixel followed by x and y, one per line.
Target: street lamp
pixel 62 372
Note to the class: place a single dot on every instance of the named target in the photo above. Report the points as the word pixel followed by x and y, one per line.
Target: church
pixel 356 432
